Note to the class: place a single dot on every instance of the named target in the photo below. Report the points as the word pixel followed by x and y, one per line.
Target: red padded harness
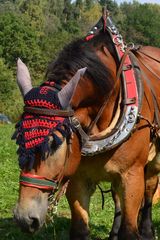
pixel 128 74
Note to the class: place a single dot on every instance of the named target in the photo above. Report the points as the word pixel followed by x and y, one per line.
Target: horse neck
pixel 111 103
pixel 87 114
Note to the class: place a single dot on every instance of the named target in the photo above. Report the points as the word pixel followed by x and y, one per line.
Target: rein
pixel 119 72
pixel 156 106
pixel 147 55
pixel 149 69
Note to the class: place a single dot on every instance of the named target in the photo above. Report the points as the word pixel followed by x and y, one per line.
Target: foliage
pixel 55 42
pixel 36 30
pixel 18 39
pixel 90 17
pixel 6 82
pixel 141 23
pixel 8 93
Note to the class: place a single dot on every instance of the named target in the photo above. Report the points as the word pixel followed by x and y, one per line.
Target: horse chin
pixel 30 219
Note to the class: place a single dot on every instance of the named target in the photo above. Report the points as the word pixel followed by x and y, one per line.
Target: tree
pixel 7 6
pixel 141 23
pixel 89 4
pixel 111 5
pixel 19 39
pixel 90 18
pixel 6 82
pixel 9 95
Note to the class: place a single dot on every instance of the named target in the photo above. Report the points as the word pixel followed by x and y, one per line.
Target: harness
pixel 128 69
pixel 131 84
pixel 132 91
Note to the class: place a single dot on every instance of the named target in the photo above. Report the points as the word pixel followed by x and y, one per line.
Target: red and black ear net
pixel 33 130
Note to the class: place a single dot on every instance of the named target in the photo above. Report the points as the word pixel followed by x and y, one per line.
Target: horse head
pixel 49 145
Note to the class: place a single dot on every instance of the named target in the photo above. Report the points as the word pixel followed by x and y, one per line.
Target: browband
pixel 49 112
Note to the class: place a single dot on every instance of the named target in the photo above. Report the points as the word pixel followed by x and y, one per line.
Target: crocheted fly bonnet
pixel 33 130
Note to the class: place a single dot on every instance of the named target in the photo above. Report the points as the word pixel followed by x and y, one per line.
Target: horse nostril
pixel 35 223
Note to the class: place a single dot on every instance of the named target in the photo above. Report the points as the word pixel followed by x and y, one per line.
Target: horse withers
pixel 93 120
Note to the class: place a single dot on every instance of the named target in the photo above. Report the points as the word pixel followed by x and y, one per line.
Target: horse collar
pixel 131 98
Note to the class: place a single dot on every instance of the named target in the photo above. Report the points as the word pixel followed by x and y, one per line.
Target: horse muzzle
pixel 31 209
pixel 31 217
pixel 29 223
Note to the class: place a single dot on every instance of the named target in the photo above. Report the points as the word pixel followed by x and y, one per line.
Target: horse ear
pixel 67 91
pixel 23 77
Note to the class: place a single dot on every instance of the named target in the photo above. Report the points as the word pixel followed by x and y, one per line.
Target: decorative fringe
pixel 33 131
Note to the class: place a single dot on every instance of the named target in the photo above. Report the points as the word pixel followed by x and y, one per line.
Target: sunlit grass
pixel 100 220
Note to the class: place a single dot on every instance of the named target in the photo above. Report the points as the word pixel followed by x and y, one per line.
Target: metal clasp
pixel 77 125
pixel 131 45
pixel 117 40
pixel 75 122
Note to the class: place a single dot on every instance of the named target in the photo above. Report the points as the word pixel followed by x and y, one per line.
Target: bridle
pixel 133 98
pixel 42 183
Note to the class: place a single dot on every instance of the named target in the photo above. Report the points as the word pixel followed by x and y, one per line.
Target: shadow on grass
pixel 156 219
pixel 98 230
pixel 58 231
pixel 157 228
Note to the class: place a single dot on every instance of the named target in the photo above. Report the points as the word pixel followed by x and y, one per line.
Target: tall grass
pixel 100 220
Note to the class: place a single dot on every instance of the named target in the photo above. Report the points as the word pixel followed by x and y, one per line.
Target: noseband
pixel 36 181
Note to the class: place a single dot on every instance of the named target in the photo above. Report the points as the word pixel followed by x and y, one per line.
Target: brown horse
pixel 96 118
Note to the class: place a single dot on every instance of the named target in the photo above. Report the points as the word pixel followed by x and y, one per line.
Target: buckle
pixel 75 122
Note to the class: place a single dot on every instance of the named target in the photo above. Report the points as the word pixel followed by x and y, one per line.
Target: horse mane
pixel 79 54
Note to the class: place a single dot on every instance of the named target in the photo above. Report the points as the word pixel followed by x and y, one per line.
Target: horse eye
pixel 55 141
pixel 50 141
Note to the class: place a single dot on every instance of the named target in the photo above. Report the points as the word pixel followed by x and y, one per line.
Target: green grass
pixel 100 220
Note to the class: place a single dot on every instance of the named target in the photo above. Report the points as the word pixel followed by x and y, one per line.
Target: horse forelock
pixel 79 54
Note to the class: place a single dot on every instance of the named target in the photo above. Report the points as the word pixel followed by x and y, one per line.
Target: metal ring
pixel 118 40
pixel 131 45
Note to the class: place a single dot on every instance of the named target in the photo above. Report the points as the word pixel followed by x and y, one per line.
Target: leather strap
pixel 149 69
pixel 32 180
pixel 49 112
pixel 128 101
pixel 148 55
pixel 127 122
pixel 75 122
pixel 156 106
pixel 123 67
